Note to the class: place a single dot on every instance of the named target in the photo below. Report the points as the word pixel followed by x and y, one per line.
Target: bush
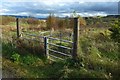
pixel 115 29
pixel 51 22
pixel 29 59
pixel 15 57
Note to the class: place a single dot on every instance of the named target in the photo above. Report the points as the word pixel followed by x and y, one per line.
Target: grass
pixel 98 57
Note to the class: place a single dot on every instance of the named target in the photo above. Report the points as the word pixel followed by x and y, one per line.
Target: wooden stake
pixel 75 38
pixel 17 24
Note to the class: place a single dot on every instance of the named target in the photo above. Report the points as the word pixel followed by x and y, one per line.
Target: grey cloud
pixel 61 8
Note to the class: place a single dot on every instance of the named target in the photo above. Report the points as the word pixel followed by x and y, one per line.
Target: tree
pixel 66 22
pixel 51 21
pixel 61 23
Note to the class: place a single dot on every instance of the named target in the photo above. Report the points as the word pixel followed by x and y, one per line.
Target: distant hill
pixel 114 16
pixel 108 16
pixel 24 17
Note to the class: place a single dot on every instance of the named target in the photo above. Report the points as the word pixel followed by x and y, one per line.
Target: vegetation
pixel 59 23
pixel 115 29
pixel 6 19
pixel 98 57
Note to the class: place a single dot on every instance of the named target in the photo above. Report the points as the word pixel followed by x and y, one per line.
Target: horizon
pixel 20 16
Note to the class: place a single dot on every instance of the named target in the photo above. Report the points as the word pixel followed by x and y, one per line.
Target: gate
pixel 73 50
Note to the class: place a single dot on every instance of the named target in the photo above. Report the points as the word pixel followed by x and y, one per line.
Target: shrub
pixel 115 29
pixel 15 57
pixel 29 59
pixel 51 22
pixel 27 46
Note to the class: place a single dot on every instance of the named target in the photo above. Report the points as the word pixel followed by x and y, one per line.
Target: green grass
pixel 98 57
pixel 93 63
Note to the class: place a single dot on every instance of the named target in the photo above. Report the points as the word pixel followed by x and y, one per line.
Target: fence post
pixel 75 38
pixel 18 30
pixel 46 47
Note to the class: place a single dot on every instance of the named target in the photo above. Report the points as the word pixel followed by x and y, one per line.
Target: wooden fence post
pixel 46 47
pixel 18 30
pixel 75 38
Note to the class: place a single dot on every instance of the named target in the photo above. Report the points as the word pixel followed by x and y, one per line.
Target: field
pixel 98 56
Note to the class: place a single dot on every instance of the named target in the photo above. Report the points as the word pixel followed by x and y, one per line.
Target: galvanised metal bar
pixel 60 53
pixel 60 39
pixel 60 46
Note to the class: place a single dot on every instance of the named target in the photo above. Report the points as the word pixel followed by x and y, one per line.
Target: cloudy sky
pixel 62 8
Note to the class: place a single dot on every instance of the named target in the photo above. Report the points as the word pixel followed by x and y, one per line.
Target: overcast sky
pixel 62 8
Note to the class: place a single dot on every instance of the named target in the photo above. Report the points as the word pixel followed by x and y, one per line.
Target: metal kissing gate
pixel 75 43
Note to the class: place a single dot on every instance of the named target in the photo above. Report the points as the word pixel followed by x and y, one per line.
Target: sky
pixel 61 8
